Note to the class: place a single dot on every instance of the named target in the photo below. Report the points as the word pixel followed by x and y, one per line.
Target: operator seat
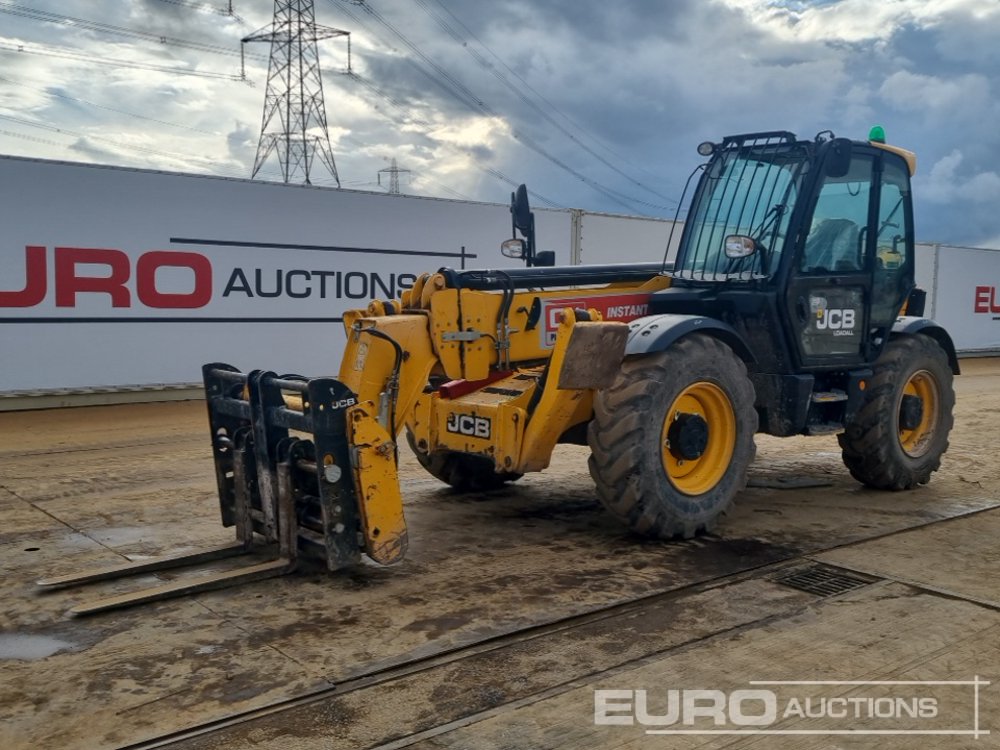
pixel 833 245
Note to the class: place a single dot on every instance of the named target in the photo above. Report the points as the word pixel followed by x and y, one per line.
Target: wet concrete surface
pixel 95 486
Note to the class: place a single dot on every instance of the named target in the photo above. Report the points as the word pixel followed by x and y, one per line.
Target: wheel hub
pixel 695 456
pixel 911 412
pixel 688 436
pixel 918 406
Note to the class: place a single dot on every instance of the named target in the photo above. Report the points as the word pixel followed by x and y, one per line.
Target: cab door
pixel 830 282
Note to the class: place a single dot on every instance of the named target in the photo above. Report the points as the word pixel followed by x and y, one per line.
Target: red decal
pixel 985 300
pixel 618 307
pixel 145 279
pixel 68 284
pixel 34 280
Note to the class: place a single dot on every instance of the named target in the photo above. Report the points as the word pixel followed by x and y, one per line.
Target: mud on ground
pixel 516 605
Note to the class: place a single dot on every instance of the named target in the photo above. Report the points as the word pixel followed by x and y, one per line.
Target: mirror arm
pixel 529 249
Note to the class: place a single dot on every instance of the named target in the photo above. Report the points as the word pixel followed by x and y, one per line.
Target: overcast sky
pixel 594 104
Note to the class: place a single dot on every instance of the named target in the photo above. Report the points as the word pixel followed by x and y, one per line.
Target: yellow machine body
pixel 507 396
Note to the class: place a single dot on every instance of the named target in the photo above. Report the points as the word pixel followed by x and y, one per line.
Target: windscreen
pixel 749 190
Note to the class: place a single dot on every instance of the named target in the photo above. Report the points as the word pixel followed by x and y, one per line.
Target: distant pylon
pixel 293 102
pixel 394 172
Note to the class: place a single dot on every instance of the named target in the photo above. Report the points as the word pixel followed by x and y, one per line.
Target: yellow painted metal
pixel 698 476
pixel 292 400
pixel 420 421
pixel 434 285
pixel 908 156
pixel 417 289
pixel 444 319
pixel 506 414
pixel 505 422
pixel 367 369
pixel 377 483
pixel 923 385
pixel 557 409
pixel 368 361
pixel 468 311
pixel 454 333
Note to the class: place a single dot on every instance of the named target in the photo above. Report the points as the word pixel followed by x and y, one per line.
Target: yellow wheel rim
pixel 696 476
pixel 923 385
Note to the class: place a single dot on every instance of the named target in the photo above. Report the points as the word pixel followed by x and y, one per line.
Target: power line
pixel 100 27
pixel 56 94
pixel 220 170
pixel 57 129
pixel 107 28
pixel 31 138
pixel 462 93
pixel 227 11
pixel 583 131
pixel 513 183
pixel 445 188
pixel 129 64
pixel 519 93
pixel 388 98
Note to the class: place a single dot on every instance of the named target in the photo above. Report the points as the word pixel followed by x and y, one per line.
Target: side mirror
pixel 740 246
pixel 838 158
pixel 520 210
pixel 512 248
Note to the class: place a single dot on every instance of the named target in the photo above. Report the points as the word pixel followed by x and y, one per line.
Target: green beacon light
pixel 876 134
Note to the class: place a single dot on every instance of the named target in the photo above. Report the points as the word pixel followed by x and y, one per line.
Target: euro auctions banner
pixel 115 277
pixel 966 289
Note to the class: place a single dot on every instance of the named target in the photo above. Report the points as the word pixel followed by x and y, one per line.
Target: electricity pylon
pixel 394 171
pixel 293 102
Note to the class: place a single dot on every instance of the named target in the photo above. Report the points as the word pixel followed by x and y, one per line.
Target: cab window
pixel 891 252
pixel 836 239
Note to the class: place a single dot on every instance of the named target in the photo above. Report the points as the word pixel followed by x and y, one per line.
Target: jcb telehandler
pixel 790 309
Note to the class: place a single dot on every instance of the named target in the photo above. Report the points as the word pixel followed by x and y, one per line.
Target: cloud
pixel 949 183
pixel 950 97
pixel 242 143
pixel 618 92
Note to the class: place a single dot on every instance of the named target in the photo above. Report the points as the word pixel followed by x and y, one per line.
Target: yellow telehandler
pixel 790 309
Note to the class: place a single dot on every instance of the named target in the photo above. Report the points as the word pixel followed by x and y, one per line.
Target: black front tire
pixel 876 447
pixel 631 461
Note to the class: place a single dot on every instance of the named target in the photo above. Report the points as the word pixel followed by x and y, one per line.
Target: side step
pixel 828 397
pixel 270 487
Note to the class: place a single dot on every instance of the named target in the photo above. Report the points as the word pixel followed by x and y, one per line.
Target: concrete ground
pixel 510 610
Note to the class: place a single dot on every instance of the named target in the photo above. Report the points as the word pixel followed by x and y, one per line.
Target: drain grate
pixel 823 580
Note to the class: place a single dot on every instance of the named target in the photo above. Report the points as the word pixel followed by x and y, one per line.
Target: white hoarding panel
pixel 925 272
pixel 606 238
pixel 125 277
pixel 967 296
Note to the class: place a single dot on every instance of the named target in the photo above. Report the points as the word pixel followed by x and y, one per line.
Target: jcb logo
pixel 343 403
pixel 469 424
pixel 835 320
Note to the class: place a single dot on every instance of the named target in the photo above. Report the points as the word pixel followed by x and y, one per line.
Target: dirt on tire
pixel 625 438
pixel 870 444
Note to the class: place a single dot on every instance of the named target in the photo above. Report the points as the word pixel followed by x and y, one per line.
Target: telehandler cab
pixel 790 309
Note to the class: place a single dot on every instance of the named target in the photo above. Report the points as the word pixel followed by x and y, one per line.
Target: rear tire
pixel 672 438
pixel 464 472
pixel 876 447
